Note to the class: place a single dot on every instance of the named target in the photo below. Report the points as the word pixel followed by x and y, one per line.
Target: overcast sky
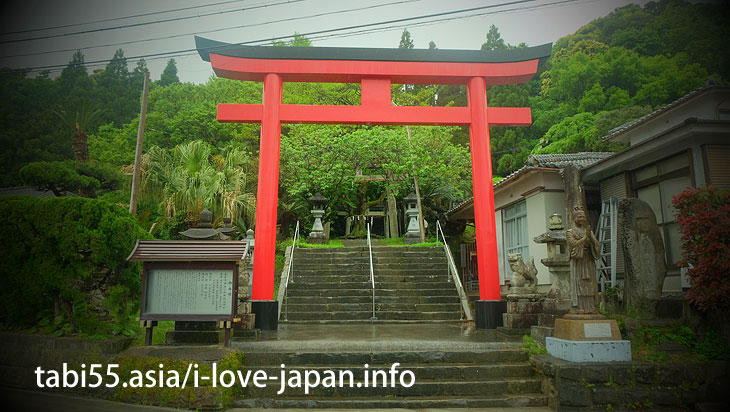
pixel 531 21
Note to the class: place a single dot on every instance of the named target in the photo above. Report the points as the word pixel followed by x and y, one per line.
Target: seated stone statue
pixel 523 276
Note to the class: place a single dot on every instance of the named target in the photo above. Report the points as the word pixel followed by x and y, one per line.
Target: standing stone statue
pixel 584 250
pixel 643 249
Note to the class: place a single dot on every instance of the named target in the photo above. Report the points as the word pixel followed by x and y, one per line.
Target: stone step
pixel 377 252
pixel 426 372
pixel 389 402
pixel 369 321
pixel 391 307
pixel 360 266
pixel 305 284
pixel 471 357
pixel 368 292
pixel 413 300
pixel 330 259
pixel 327 270
pixel 365 277
pixel 419 388
pixel 382 315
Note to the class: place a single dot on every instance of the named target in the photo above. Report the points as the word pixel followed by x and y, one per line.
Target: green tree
pixel 79 122
pixel 494 40
pixel 405 40
pixel 81 178
pixel 192 177
pixel 169 75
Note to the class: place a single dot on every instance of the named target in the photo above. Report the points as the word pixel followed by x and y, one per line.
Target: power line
pixel 119 18
pixel 439 21
pixel 126 26
pixel 217 30
pixel 190 52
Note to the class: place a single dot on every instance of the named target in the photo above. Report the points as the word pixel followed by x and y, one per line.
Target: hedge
pixel 62 266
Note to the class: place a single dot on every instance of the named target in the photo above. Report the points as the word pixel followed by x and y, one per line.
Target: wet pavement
pixel 379 337
pixel 22 400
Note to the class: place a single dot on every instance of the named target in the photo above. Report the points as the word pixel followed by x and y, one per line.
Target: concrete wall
pixel 542 190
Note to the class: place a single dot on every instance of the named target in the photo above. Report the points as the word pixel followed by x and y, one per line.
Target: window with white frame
pixel 515 233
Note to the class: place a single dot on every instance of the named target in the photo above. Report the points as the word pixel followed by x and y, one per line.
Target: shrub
pixel 704 220
pixel 82 178
pixel 63 266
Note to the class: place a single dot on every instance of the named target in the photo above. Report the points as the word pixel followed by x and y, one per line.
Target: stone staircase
pixel 496 377
pixel 332 285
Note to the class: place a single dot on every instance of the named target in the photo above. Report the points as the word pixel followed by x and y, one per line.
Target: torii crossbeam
pixel 375 70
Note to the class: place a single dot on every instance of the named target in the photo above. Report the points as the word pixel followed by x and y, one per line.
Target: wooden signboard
pixel 196 291
pixel 189 281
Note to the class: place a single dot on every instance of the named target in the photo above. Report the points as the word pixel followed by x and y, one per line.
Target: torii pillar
pixel 375 70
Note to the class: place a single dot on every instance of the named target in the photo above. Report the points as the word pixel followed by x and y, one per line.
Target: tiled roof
pixel 577 160
pixel 711 83
pixel 555 161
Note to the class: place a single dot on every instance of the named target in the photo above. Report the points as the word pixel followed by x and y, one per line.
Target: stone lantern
pixel 557 302
pixel 555 222
pixel 317 234
pixel 413 232
pixel 228 230
pixel 205 230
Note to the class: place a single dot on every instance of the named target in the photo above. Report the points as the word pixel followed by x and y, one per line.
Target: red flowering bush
pixel 704 220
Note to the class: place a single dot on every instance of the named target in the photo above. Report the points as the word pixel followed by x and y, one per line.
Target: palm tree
pixel 190 178
pixel 79 122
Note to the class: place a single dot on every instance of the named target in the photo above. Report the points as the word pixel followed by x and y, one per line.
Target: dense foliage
pixel 71 177
pixel 63 261
pixel 611 71
pixel 704 220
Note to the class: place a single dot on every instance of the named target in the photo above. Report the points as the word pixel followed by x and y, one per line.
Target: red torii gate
pixel 376 70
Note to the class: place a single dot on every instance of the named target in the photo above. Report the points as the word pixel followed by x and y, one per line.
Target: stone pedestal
pixel 488 313
pixel 552 309
pixel 588 338
pixel 523 310
pixel 267 314
pixel 586 327
pixel 186 333
pixel 317 235
pixel 589 351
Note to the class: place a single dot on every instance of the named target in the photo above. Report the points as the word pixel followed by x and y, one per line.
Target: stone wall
pixel 21 354
pixel 620 385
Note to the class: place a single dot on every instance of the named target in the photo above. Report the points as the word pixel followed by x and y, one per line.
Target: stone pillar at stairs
pixel 557 302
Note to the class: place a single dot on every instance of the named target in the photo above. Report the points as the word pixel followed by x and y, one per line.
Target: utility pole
pixel 138 151
pixel 418 195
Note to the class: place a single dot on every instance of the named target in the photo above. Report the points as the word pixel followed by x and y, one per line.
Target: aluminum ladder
pixel 607 241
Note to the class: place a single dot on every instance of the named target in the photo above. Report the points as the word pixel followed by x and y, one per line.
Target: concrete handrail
pixel 454 273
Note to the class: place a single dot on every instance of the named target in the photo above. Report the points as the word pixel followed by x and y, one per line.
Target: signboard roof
pixel 188 251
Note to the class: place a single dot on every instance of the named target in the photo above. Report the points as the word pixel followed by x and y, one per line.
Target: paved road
pixel 22 401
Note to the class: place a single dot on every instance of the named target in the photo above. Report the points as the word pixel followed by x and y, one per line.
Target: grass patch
pixel 158 333
pixel 426 244
pixel 398 242
pixel 531 347
pixel 331 243
pixel 205 396
pixel 645 343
